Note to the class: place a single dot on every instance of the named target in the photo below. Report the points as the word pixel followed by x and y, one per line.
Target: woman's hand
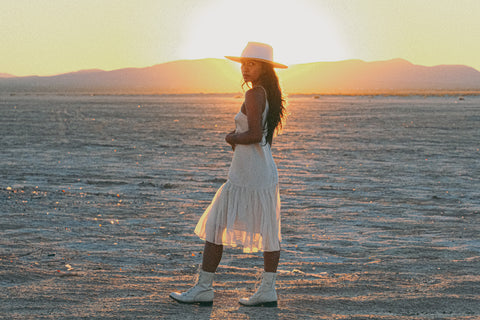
pixel 229 139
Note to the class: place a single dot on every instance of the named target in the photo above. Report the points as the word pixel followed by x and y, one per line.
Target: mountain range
pixel 223 76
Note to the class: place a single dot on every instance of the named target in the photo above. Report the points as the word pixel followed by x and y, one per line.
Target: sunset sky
pixel 46 37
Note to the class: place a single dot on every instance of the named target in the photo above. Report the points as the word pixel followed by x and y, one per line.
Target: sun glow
pixel 299 31
pixel 65 36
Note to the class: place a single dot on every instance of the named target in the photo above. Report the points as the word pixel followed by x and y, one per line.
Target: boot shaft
pixel 268 280
pixel 205 279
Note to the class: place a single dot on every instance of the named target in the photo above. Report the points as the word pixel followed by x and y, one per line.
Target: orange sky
pixel 46 37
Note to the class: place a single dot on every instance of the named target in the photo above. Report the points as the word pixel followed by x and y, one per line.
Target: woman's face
pixel 251 70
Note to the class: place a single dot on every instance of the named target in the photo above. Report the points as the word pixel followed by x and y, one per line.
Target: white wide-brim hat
pixel 258 51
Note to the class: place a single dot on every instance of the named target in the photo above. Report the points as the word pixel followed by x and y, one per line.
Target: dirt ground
pixel 99 197
pixel 97 268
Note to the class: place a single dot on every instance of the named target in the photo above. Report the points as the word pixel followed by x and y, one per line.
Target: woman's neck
pixel 256 84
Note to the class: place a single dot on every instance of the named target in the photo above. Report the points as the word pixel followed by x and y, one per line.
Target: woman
pixel 246 209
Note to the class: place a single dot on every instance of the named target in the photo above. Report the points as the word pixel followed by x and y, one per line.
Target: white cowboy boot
pixel 201 293
pixel 266 296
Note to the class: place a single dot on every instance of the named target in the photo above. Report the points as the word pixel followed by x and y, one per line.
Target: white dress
pixel 246 209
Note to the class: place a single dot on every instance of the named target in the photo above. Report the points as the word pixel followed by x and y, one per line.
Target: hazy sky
pixel 46 37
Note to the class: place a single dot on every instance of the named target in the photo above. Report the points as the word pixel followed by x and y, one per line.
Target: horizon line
pixel 93 69
pixel 313 94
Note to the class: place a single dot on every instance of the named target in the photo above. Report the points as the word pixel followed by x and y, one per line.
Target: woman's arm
pixel 254 107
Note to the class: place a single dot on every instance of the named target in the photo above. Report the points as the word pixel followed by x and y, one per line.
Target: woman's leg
pixel 212 254
pixel 202 292
pixel 270 260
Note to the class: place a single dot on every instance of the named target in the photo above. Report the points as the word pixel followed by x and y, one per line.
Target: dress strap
pixel 264 90
pixel 266 98
pixel 265 111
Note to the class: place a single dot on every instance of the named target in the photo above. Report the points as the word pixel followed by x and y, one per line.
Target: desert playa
pixel 99 197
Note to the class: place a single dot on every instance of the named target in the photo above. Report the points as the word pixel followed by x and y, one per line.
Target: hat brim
pixel 241 59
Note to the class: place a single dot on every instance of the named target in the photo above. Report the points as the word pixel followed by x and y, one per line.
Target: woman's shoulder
pixel 258 90
pixel 257 93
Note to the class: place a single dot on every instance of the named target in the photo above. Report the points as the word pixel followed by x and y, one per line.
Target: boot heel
pixel 271 304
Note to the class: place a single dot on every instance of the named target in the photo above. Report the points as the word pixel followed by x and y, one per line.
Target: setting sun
pixel 299 31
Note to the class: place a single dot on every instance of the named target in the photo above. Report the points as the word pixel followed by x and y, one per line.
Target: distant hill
pixel 186 76
pixel 6 75
pixel 221 76
pixel 356 76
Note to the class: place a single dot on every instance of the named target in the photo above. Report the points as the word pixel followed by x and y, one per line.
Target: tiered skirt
pixel 243 216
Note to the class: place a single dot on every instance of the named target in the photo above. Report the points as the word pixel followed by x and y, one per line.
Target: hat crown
pixel 257 50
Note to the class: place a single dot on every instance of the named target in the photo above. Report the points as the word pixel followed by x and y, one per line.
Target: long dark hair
pixel 277 112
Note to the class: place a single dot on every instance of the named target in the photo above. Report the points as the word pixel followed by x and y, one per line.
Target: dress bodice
pixel 252 164
pixel 241 122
